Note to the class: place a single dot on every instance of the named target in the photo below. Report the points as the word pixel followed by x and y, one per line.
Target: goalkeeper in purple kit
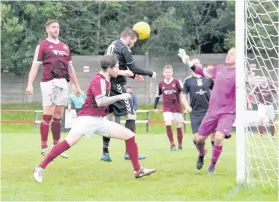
pixel 221 110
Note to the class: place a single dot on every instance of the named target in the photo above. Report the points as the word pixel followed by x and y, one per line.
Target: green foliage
pixel 90 26
pixel 229 40
pixel 22 29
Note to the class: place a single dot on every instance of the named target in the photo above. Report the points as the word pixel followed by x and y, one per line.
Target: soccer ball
pixel 142 29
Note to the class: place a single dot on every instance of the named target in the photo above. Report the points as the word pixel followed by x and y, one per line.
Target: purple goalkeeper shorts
pixel 212 123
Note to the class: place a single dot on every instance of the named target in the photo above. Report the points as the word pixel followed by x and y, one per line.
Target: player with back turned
pixel 122 49
pixel 221 111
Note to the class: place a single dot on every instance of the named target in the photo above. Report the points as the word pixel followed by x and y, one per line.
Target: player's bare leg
pixel 130 124
pixel 119 132
pixel 179 135
pixel 56 150
pixel 217 150
pixel 56 126
pixel 44 127
pixel 200 145
pixel 261 128
pixel 212 137
pixel 271 128
pixel 168 124
pixel 194 139
pixel 106 140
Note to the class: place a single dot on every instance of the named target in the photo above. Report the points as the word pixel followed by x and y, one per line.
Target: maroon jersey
pixel 170 91
pixel 55 58
pixel 264 94
pixel 99 86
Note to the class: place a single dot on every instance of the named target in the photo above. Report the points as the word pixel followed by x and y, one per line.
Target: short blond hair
pixel 167 67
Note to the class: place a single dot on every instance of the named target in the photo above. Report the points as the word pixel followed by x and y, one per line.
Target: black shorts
pixel 196 120
pixel 78 110
pixel 120 108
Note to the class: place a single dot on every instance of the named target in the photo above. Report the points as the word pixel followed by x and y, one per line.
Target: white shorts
pixel 54 92
pixel 266 112
pixel 173 116
pixel 88 125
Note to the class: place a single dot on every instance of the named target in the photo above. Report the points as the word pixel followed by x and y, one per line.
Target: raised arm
pixel 207 72
pixel 127 73
pixel 132 66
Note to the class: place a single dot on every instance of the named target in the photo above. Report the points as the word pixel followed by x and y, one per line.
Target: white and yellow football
pixel 142 29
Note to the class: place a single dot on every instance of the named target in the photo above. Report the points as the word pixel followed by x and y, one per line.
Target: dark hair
pixel 50 22
pixel 108 61
pixel 129 87
pixel 128 32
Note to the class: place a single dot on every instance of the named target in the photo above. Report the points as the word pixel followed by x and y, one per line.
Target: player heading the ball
pixel 122 49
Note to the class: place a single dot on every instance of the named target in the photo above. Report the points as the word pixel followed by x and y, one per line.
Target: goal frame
pixel 240 36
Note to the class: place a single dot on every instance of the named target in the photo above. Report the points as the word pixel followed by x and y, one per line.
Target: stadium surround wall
pixel 13 87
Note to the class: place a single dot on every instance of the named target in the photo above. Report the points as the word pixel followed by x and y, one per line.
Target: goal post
pixel 257 60
pixel 240 90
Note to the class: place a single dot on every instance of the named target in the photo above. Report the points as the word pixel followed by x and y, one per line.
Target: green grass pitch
pixel 84 177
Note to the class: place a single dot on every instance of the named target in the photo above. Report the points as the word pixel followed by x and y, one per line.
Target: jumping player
pixel 55 56
pixel 265 100
pixel 170 89
pixel 90 120
pixel 198 88
pixel 122 48
pixel 221 111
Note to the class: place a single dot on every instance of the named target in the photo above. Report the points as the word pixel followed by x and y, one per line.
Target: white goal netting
pixel 261 60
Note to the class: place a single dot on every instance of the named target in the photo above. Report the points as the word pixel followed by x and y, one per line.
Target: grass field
pixel 84 177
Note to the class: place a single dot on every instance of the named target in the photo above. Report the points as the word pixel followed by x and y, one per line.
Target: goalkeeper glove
pixel 184 57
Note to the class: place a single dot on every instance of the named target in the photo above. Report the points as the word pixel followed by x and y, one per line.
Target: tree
pixel 90 26
pixel 22 29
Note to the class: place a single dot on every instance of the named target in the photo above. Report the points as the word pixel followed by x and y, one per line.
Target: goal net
pixel 260 65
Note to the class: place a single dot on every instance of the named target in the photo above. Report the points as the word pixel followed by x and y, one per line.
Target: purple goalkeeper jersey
pixel 222 98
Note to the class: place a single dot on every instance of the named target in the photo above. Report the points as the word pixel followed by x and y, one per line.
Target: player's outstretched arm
pixel 103 101
pixel 132 66
pixel 136 70
pixel 207 72
pixel 127 73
